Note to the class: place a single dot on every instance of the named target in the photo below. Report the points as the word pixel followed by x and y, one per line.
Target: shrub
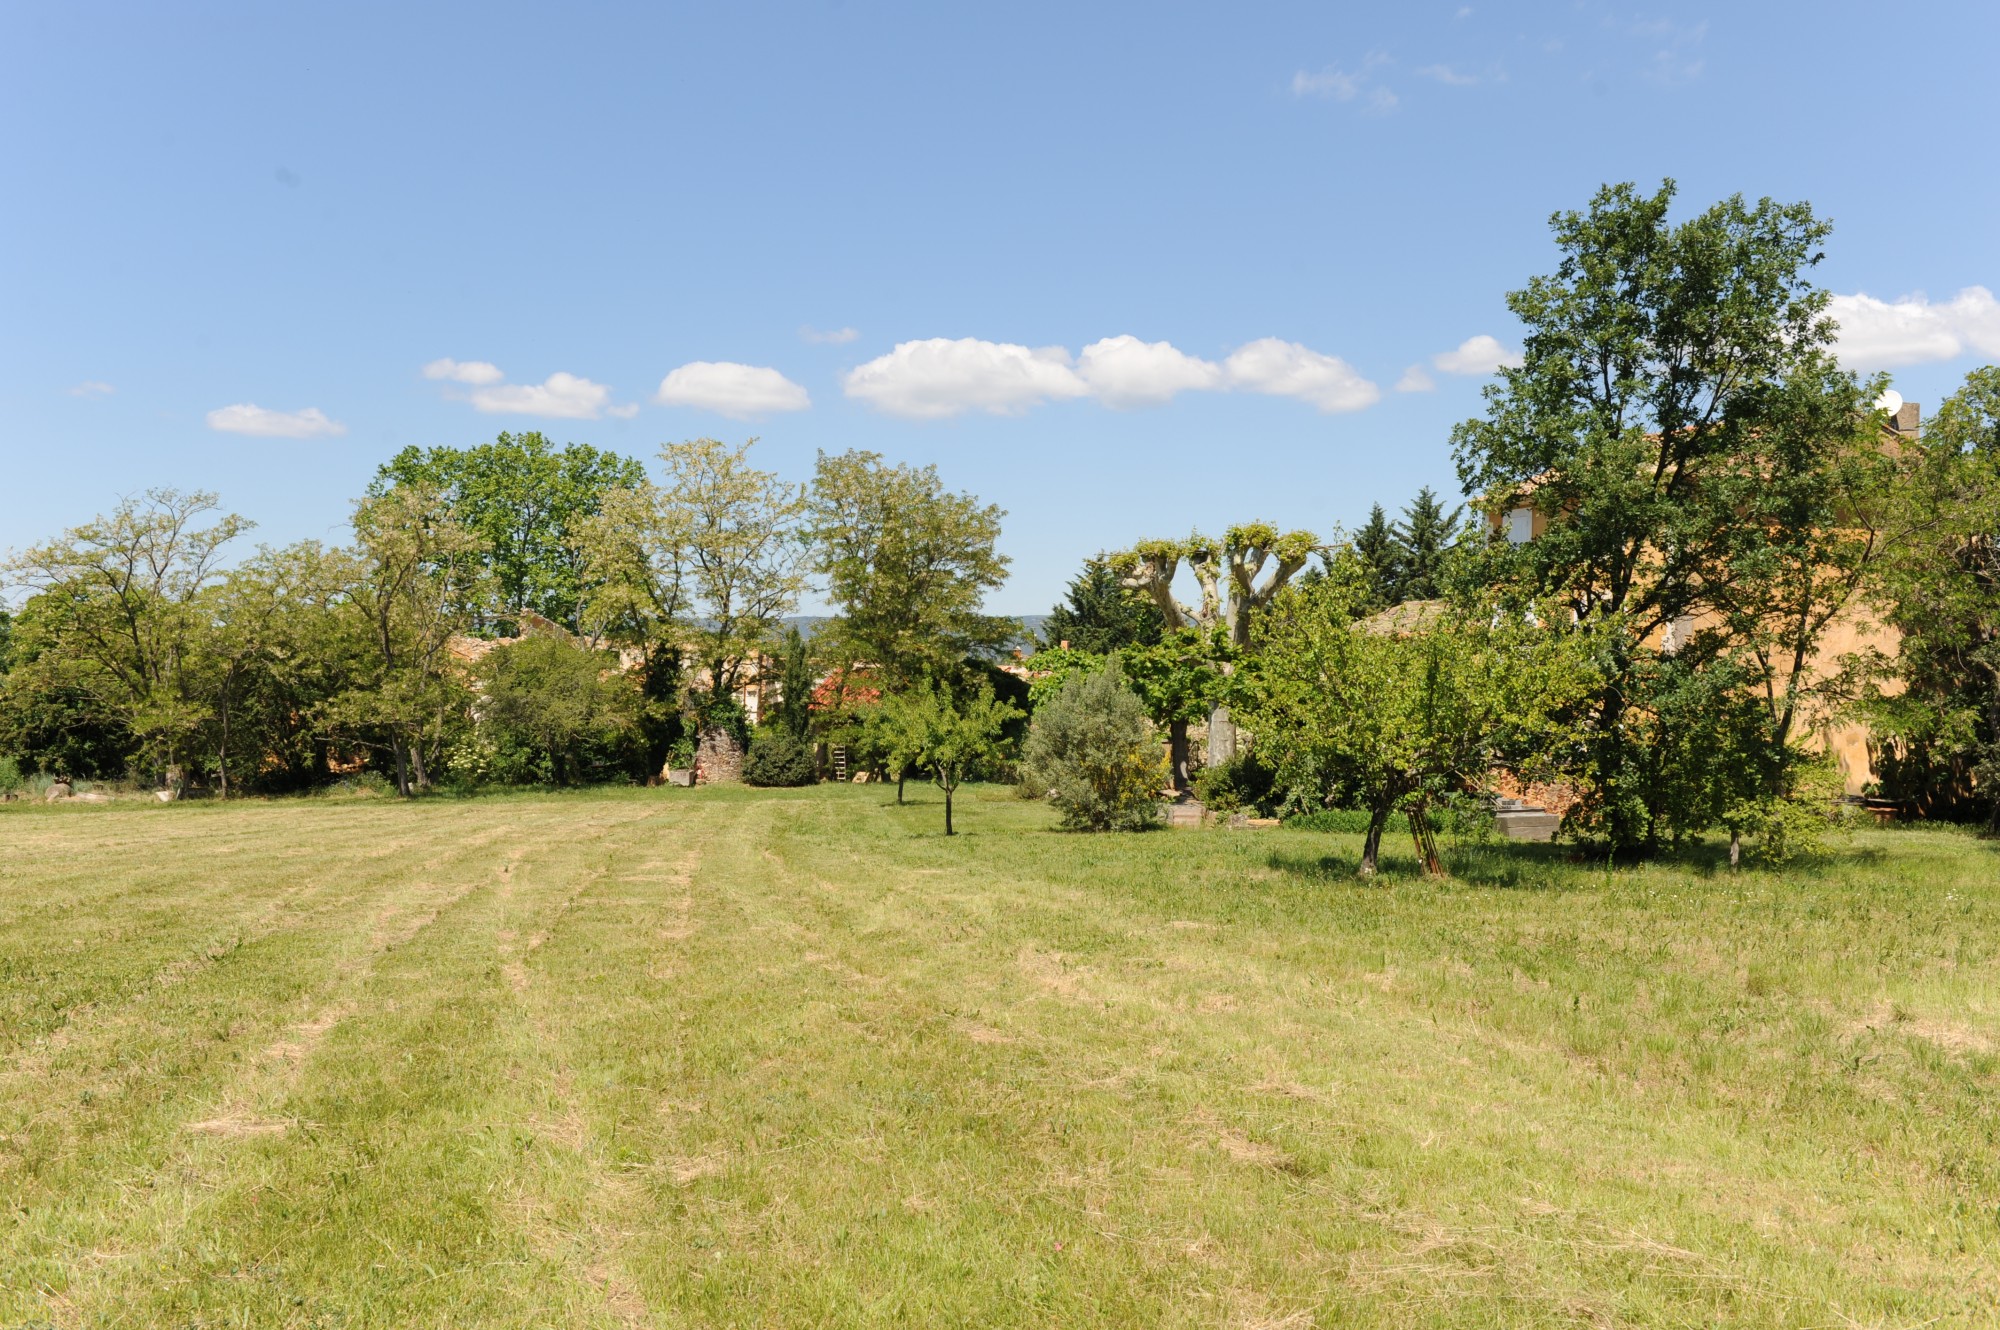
pixel 1247 784
pixel 11 780
pixel 1094 751
pixel 780 757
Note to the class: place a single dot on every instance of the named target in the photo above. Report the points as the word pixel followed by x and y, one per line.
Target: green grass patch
pixel 766 1058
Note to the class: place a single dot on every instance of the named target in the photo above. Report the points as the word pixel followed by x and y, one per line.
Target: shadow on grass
pixel 1548 866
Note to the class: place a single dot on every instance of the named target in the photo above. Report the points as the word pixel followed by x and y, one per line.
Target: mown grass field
pixel 691 1058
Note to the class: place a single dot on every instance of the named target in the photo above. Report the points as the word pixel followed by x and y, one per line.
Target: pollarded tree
pixel 1228 573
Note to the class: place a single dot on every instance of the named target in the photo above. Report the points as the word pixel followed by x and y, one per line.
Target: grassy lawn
pixel 718 1057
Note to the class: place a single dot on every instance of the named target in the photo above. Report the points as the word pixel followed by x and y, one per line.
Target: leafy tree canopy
pixel 526 499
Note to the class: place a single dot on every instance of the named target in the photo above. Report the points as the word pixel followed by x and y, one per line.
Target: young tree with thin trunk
pixel 950 736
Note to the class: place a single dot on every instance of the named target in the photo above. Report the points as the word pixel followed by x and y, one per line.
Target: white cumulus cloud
pixel 943 376
pixel 1124 372
pixel 560 397
pixel 1475 355
pixel 838 337
pixel 478 373
pixel 1880 334
pixel 1415 380
pixel 247 418
pixel 731 389
pixel 1286 369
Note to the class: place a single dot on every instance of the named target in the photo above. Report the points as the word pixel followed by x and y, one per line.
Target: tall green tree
pixel 1940 729
pixel 121 613
pixel 419 579
pixel 1380 554
pixel 526 499
pixel 702 566
pixel 908 563
pixel 1655 357
pixel 1100 614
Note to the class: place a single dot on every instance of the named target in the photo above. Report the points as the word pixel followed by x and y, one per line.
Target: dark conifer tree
pixel 1422 538
pixel 1099 615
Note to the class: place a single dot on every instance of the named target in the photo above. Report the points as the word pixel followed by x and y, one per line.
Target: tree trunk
pixel 1371 844
pixel 1177 754
pixel 1221 737
pixel 222 754
pixel 402 767
pixel 417 766
pixel 947 812
pixel 1425 837
pixel 902 774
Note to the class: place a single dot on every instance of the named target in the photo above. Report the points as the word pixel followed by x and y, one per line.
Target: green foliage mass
pixel 527 501
pixel 1094 752
pixel 1392 720
pixel 1940 731
pixel 1678 419
pixel 953 736
pixel 907 562
pixel 1099 614
pixel 779 756
pixel 553 711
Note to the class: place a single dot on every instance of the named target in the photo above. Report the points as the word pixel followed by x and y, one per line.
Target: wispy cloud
pixel 476 372
pixel 1415 380
pixel 91 388
pixel 1675 49
pixel 1360 85
pixel 1448 76
pixel 838 337
pixel 257 421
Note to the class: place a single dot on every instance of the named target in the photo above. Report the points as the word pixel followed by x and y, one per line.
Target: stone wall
pixel 719 759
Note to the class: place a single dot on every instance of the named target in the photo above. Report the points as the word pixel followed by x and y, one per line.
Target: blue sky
pixel 1124 269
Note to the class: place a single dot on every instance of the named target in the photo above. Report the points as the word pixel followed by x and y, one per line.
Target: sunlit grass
pixel 740 1058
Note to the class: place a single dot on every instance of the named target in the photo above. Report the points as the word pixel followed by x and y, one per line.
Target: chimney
pixel 1907 417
